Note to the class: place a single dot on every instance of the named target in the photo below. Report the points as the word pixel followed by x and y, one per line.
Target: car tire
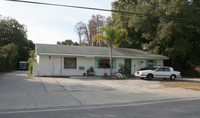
pixel 172 77
pixel 149 76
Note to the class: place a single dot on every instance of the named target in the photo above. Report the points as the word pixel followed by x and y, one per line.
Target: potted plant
pixel 90 71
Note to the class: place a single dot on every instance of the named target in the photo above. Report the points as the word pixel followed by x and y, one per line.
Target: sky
pixel 49 24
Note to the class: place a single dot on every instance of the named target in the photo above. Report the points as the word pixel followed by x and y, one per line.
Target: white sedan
pixel 158 72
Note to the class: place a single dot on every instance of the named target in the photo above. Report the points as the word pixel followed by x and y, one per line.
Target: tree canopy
pixel 87 31
pixel 67 42
pixel 8 57
pixel 163 29
pixel 13 34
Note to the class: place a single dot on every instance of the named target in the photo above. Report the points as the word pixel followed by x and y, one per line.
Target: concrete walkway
pixel 18 91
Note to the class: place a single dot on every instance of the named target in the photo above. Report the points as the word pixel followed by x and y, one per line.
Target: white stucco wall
pixel 46 65
pixel 137 64
pixel 160 63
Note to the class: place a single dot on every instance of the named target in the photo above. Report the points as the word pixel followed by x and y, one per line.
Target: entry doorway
pixel 128 64
pixel 56 66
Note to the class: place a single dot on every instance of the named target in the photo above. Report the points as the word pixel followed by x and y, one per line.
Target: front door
pixel 128 64
pixel 56 66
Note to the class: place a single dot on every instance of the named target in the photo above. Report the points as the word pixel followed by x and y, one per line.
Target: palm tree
pixel 31 61
pixel 110 35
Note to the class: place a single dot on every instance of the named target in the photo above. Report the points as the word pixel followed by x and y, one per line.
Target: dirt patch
pixel 2 73
pixel 182 84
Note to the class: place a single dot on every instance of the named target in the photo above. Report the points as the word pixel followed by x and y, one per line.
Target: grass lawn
pixel 182 84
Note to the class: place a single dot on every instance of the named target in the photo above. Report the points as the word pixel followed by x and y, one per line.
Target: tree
pixel 177 39
pixel 87 32
pixel 11 31
pixel 13 34
pixel 67 42
pixel 76 44
pixel 79 29
pixel 121 20
pixel 94 25
pixel 111 35
pixel 8 57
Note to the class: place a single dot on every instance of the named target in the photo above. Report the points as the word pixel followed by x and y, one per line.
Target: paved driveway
pixel 18 91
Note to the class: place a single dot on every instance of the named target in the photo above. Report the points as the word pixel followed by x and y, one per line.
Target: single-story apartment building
pixel 65 60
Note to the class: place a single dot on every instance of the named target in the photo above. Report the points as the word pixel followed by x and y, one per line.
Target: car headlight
pixel 141 73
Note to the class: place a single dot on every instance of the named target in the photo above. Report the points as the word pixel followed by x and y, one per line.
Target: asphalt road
pixel 157 109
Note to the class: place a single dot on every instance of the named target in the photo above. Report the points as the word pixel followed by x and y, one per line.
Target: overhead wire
pixel 107 10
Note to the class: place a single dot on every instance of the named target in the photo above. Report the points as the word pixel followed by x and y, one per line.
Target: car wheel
pixel 149 76
pixel 173 77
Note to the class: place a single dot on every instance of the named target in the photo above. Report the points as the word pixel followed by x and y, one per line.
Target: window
pixel 166 69
pixel 104 63
pixel 69 62
pixel 150 63
pixel 160 70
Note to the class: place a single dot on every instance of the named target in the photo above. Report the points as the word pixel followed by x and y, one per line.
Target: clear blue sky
pixel 49 24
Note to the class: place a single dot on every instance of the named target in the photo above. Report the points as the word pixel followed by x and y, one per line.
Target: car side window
pixel 166 69
pixel 160 70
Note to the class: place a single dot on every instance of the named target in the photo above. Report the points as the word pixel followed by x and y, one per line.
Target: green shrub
pixel 31 61
pixel 8 57
pixel 124 70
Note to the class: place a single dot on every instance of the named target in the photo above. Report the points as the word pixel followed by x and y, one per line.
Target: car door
pixel 159 73
pixel 167 72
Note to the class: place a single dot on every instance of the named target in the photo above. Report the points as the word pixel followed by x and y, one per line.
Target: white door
pixel 159 73
pixel 56 66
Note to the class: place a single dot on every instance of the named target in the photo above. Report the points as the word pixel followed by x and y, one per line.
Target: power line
pixel 98 9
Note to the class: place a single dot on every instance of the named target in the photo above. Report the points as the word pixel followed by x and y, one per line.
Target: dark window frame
pixel 73 59
pixel 101 67
pixel 150 63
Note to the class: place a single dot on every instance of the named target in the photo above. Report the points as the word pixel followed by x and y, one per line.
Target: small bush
pixel 31 61
pixel 124 70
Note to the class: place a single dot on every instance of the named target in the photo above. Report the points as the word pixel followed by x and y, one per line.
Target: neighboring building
pixel 61 60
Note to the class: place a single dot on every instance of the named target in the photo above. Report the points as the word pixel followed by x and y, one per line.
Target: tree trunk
pixel 80 40
pixel 88 38
pixel 111 65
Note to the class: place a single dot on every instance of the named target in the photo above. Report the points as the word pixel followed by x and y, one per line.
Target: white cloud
pixel 49 24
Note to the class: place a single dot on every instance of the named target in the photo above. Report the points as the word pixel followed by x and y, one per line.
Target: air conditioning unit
pixel 81 68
